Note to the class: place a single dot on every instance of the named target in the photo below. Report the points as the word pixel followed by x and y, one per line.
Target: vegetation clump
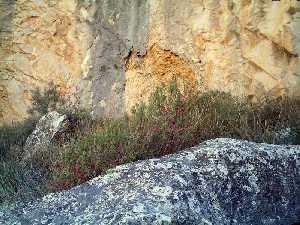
pixel 45 100
pixel 172 120
pixel 13 181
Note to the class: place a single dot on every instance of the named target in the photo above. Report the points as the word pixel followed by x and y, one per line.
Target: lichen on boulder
pixel 221 181
pixel 47 130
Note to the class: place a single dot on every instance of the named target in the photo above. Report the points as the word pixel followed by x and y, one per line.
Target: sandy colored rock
pixel 245 47
pixel 49 44
pixel 108 55
pixel 157 66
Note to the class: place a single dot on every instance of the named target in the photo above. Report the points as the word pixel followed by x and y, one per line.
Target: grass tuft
pixel 172 120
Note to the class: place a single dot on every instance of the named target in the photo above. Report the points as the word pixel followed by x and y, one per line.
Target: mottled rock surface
pixel 222 181
pixel 48 44
pixel 107 55
pixel 45 133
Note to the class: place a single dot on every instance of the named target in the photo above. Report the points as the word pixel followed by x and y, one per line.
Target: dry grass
pixel 170 122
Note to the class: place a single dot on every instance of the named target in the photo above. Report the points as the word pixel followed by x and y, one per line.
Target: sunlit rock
pixel 47 130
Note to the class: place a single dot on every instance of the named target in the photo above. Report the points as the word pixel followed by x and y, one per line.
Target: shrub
pixel 8 180
pixel 16 182
pixel 42 100
pixel 171 121
pixel 266 120
pixel 13 137
pixel 93 154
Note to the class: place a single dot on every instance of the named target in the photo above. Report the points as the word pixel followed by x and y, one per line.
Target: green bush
pixel 82 159
pixel 16 182
pixel 265 120
pixel 169 122
pixel 13 137
pixel 172 120
pixel 43 100
pixel 9 181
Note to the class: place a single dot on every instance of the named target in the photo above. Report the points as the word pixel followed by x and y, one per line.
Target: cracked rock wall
pixel 107 55
pixel 48 44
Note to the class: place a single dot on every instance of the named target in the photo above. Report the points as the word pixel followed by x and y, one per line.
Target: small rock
pixel 47 130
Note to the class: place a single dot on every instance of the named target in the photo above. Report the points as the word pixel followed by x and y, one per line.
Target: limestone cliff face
pixel 48 44
pixel 106 55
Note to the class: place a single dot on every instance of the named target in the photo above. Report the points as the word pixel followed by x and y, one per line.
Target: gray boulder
pixel 47 130
pixel 222 181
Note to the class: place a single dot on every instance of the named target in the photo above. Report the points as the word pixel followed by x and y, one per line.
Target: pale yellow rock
pixel 156 67
pixel 50 46
pixel 67 5
pixel 247 47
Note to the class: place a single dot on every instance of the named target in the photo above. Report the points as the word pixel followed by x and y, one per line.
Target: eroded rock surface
pixel 222 181
pixel 106 55
pixel 49 127
pixel 48 44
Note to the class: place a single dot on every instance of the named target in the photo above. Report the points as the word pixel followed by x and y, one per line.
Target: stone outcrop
pixel 48 44
pixel 222 181
pixel 107 55
pixel 46 132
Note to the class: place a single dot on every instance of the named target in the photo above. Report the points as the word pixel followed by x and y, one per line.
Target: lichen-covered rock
pixel 222 181
pixel 47 130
